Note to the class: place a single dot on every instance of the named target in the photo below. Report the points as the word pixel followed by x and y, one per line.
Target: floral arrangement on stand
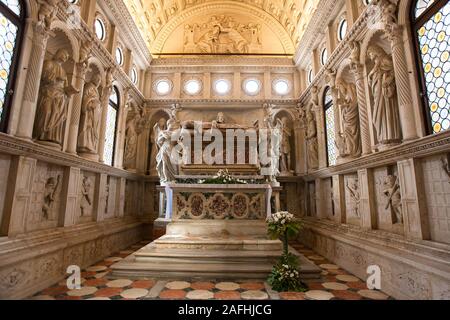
pixel 285 275
pixel 222 177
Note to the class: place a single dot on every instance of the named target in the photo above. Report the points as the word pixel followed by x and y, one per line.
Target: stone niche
pixel 45 197
pixel 436 177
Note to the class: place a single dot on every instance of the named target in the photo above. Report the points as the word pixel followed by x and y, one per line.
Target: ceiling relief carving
pixel 222 34
pixel 154 18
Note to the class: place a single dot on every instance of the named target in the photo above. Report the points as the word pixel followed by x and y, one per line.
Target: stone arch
pixel 61 28
pixel 198 10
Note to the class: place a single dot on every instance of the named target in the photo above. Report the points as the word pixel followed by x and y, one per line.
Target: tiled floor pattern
pixel 334 284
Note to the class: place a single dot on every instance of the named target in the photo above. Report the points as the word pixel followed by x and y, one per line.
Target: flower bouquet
pixel 222 177
pixel 285 275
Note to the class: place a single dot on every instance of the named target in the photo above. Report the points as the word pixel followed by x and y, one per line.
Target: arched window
pixel 431 25
pixel 329 127
pixel 12 15
pixel 111 127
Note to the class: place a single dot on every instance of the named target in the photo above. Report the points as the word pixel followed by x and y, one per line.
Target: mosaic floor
pixel 335 284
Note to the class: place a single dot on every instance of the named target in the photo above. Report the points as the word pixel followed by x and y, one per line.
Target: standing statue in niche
pixel 165 162
pixel 161 125
pixel 54 94
pixel 385 106
pixel 348 141
pixel 285 150
pixel 51 186
pixel 311 140
pixel 391 189
pixel 90 117
pixel 131 137
pixel 86 201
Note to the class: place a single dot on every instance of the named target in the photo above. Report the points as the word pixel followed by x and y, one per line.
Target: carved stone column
pixel 367 207
pixel 100 202
pixel 408 124
pixel 32 82
pixel 19 195
pixel 70 193
pixel 358 71
pixel 120 197
pixel 339 199
pixel 74 123
pixel 413 199
pixel 301 166
pixel 101 142
pixel 320 212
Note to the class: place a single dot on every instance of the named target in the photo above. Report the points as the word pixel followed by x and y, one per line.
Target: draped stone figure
pixel 157 128
pixel 165 164
pixel 88 137
pixel 131 137
pixel 311 140
pixel 349 137
pixel 385 106
pixel 285 148
pixel 53 97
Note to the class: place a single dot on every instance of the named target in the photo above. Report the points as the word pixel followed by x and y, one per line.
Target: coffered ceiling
pixel 214 26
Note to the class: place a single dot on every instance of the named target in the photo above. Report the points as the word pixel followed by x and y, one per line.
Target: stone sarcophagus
pixel 220 202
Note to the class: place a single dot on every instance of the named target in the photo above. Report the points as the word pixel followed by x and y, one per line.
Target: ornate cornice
pixel 420 148
pixel 19 147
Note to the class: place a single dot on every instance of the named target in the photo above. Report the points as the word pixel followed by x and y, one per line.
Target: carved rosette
pixel 197 204
pixel 219 206
pixel 240 206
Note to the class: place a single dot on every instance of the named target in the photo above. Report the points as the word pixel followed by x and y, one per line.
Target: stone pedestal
pixel 216 231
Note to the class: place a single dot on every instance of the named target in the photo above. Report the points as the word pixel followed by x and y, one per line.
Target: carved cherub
pixel 47 11
pixel 85 52
pixel 355 55
pixel 51 187
pixel 391 189
pixel 86 200
pixel 353 188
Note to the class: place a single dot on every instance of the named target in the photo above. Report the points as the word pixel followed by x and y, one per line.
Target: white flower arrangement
pixel 281 218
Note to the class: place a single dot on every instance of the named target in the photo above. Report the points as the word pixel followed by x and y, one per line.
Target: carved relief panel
pixel 222 34
pixel 352 199
pixel 46 197
pixel 388 199
pixel 86 197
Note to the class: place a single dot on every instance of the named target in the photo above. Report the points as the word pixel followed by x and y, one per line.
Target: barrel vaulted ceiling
pixel 214 26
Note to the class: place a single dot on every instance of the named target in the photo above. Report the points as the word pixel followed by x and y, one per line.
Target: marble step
pixel 170 242
pixel 151 261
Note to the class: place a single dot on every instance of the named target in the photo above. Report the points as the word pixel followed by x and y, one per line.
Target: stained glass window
pixel 329 128
pixel 10 31
pixel 111 127
pixel 421 6
pixel 433 35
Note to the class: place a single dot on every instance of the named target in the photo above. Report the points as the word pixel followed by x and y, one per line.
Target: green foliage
pixel 285 275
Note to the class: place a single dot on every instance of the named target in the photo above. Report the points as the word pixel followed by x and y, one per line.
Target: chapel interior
pixel 358 92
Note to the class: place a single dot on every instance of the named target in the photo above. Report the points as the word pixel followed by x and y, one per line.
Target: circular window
pixel 192 87
pixel 163 87
pixel 119 56
pixel 281 87
pixel 342 29
pixel 324 56
pixel 100 29
pixel 134 75
pixel 222 86
pixel 252 87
